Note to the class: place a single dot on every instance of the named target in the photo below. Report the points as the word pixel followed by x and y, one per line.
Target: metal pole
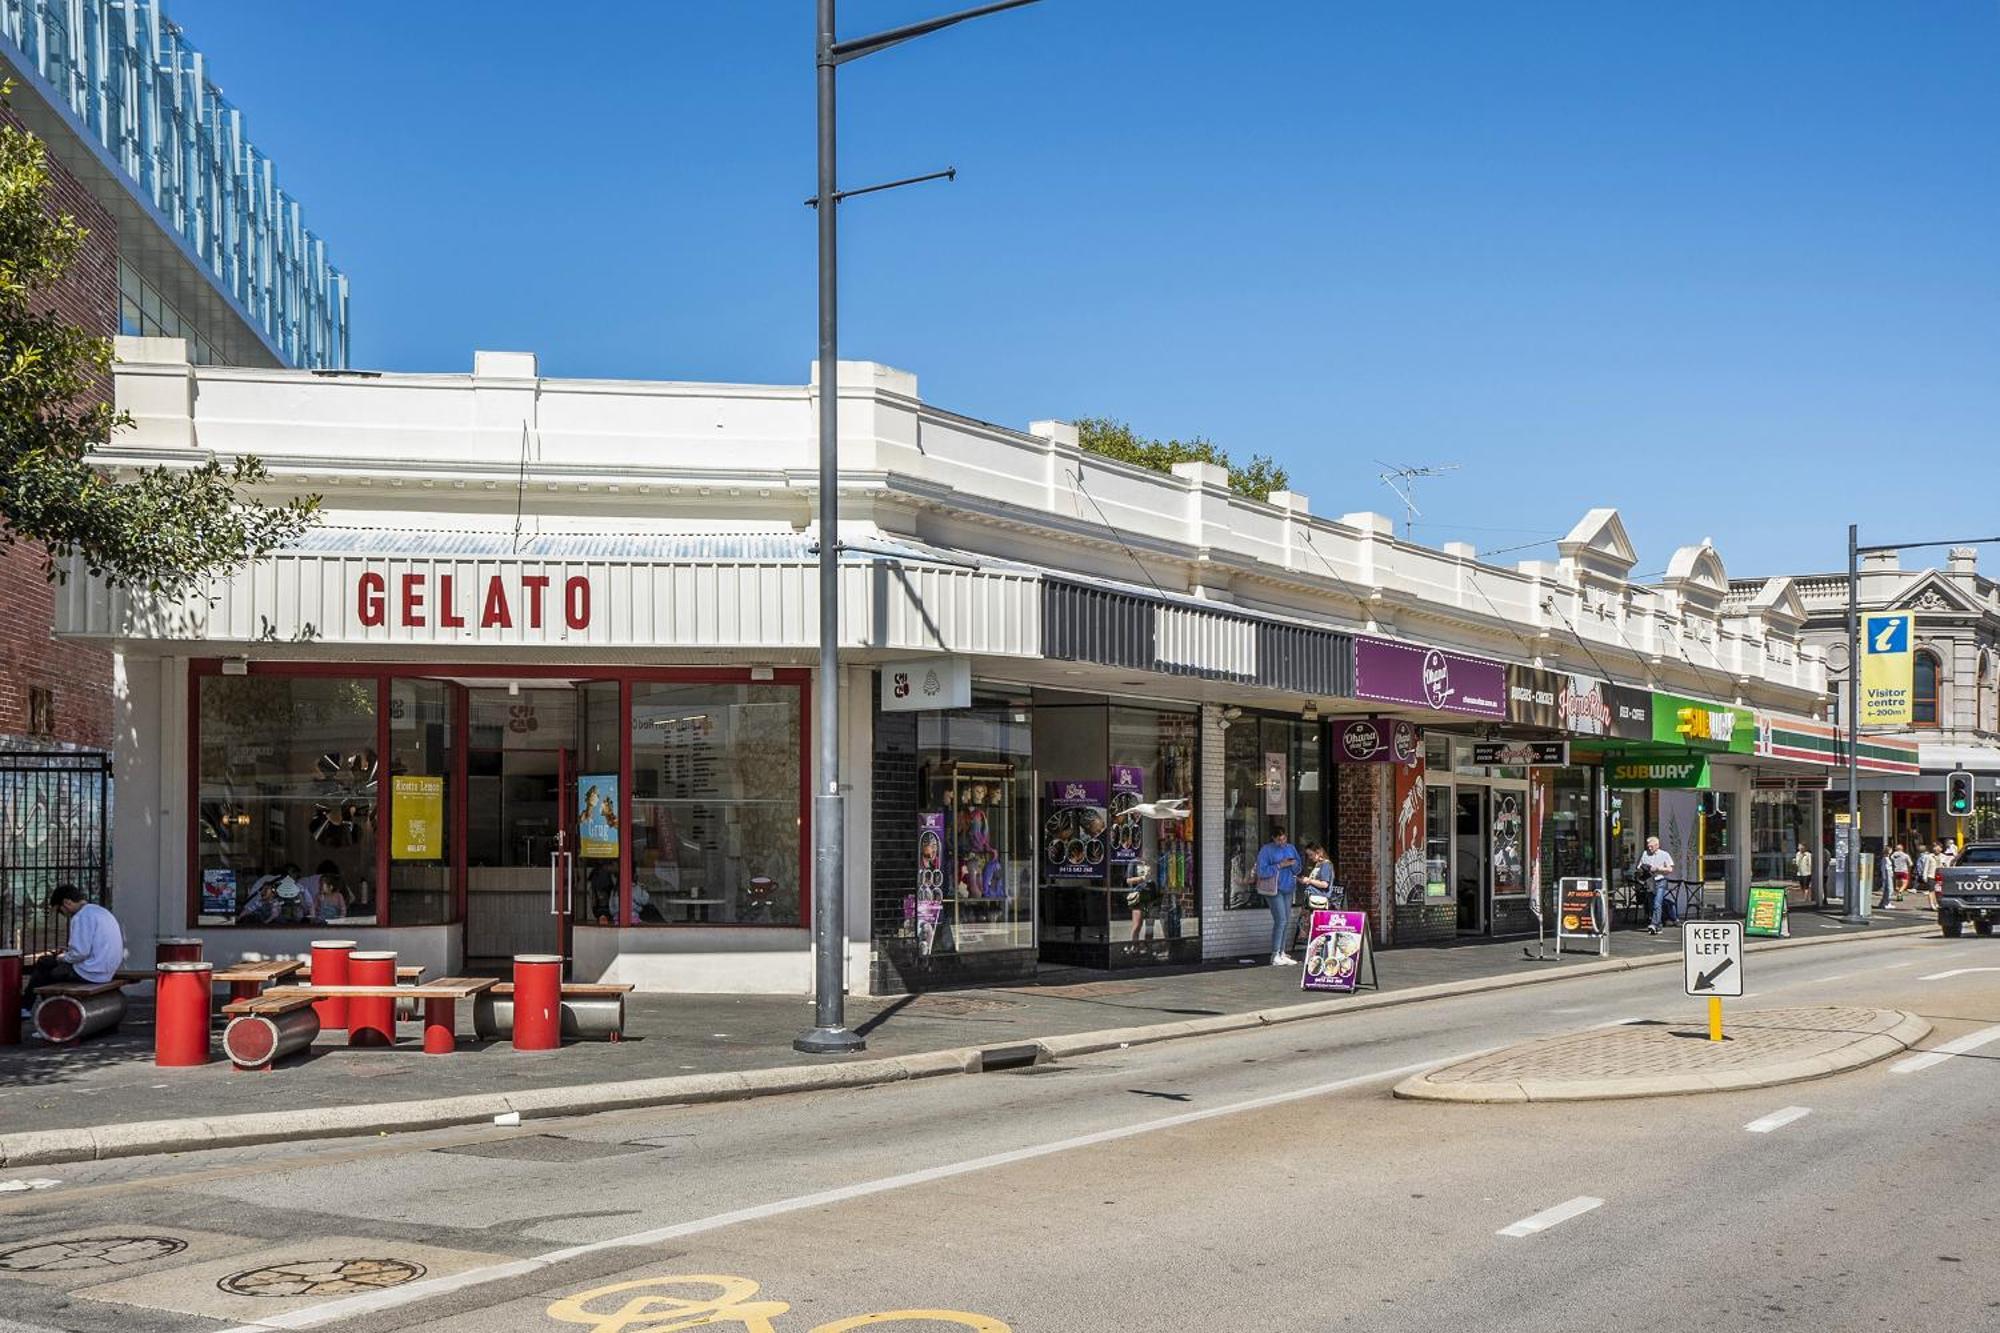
pixel 1857 901
pixel 829 1034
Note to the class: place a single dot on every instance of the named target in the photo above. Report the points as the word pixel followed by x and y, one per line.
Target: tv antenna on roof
pixel 1402 480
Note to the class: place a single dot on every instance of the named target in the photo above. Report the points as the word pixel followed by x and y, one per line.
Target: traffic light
pixel 1958 794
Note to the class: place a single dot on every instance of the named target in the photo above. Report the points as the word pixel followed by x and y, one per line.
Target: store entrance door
pixel 520 827
pixel 1469 859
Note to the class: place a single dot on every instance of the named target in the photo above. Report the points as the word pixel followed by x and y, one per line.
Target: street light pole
pixel 830 1034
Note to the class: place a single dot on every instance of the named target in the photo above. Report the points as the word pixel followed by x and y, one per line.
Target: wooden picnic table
pixel 248 978
pixel 440 999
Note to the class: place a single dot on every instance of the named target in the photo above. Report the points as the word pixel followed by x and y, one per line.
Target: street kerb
pixel 136 1139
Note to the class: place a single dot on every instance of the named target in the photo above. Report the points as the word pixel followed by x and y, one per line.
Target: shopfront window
pixel 1153 751
pixel 421 791
pixel 715 805
pixel 1273 778
pixel 1569 831
pixel 1779 826
pixel 975 871
pixel 288 785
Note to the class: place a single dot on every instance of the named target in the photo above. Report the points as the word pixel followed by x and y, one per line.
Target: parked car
pixel 1969 890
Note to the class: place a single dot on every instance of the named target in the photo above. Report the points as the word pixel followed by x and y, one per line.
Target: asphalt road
pixel 1251 1181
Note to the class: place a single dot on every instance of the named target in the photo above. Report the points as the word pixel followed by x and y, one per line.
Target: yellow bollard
pixel 1715 1018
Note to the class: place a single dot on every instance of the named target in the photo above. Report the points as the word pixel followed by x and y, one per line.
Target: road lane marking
pixel 1778 1119
pixel 17 1186
pixel 1550 1217
pixel 390 1298
pixel 1955 972
pixel 1971 1041
pixel 1893 966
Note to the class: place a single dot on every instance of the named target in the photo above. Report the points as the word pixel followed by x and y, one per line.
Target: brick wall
pixel 1361 812
pixel 76 676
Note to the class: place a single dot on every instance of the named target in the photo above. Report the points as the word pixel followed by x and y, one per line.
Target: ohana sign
pixel 413 600
pixel 1420 677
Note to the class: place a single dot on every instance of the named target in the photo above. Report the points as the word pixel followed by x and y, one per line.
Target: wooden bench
pixel 247 979
pixel 67 1012
pixel 265 1027
pixel 591 1011
pixel 440 999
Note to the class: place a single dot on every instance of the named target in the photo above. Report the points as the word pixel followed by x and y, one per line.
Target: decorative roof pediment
pixel 1698 567
pixel 1599 545
pixel 1778 602
pixel 1932 591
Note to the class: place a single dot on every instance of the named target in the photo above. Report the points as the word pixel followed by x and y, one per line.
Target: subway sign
pixel 1627 772
pixel 1702 725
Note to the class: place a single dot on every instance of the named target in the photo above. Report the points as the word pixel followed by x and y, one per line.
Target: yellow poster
pixel 417 804
pixel 1888 669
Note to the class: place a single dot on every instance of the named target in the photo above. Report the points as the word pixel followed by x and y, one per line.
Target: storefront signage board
pixel 1430 678
pixel 1074 842
pixel 1631 712
pixel 1701 725
pixel 1638 772
pixel 1580 911
pixel 1334 945
pixel 1767 912
pixel 1888 669
pixel 1376 740
pixel 597 816
pixel 1521 754
pixel 926 683
pixel 418 817
pixel 420 599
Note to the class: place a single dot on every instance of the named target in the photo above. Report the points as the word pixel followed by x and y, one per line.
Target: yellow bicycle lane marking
pixel 659 1305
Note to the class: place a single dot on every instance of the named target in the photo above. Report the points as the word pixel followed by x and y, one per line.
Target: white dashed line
pixel 1894 966
pixel 1957 972
pixel 1778 1119
pixel 1550 1217
pixel 1971 1041
pixel 18 1186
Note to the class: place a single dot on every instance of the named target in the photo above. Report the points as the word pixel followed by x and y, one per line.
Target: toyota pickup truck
pixel 1970 890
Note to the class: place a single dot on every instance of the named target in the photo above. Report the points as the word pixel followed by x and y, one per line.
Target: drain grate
pixel 87 1252
pixel 1091 990
pixel 321 1277
pixel 953 1006
pixel 543 1148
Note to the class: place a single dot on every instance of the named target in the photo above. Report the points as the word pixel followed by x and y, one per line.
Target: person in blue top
pixel 1277 878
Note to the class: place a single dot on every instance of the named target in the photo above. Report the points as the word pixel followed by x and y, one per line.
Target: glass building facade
pixel 136 85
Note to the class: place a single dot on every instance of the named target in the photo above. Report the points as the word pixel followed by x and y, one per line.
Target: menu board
pixel 1767 910
pixel 1581 910
pixel 1334 943
pixel 1075 841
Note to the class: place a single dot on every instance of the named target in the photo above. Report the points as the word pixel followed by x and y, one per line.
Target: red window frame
pixel 1935 699
pixel 798 678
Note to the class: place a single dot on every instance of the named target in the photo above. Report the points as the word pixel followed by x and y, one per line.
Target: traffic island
pixel 1656 1058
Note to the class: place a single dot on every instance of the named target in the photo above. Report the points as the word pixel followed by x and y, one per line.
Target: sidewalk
pixel 1760 1049
pixel 700 1047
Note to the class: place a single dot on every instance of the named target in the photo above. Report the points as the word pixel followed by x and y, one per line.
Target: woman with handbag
pixel 1277 877
pixel 1322 894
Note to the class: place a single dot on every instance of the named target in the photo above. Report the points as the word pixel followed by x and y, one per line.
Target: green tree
pixel 1256 478
pixel 165 529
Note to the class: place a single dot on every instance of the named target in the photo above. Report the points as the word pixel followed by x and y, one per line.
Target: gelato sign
pixel 1430 678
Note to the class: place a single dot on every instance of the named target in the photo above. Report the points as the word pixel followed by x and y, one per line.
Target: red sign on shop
pixel 417 601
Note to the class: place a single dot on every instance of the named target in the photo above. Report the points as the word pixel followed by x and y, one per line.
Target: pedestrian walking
pixel 1901 862
pixel 1802 868
pixel 1277 879
pixel 1926 868
pixel 1656 867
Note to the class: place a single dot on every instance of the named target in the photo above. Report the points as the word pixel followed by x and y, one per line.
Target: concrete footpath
pixel 107 1099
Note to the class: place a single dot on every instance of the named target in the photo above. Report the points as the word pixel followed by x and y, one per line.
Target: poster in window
pixel 1128 788
pixel 218 892
pixel 1412 867
pixel 1277 784
pixel 418 806
pixel 1074 844
pixel 929 903
pixel 597 815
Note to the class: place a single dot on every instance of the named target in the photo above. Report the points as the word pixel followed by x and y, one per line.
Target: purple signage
pixel 1376 740
pixel 1408 673
pixel 1128 788
pixel 1333 950
pixel 1073 833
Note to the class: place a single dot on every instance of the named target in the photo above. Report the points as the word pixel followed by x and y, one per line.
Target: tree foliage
pixel 166 528
pixel 1255 478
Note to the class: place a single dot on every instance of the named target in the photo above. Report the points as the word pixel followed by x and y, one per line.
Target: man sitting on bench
pixel 95 950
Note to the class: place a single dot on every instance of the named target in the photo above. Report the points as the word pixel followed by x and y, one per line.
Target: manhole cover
pixel 322 1277
pixel 68 1256
pixel 543 1148
pixel 954 1005
pixel 1091 990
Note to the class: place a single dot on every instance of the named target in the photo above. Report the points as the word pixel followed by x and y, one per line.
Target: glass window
pixel 1272 776
pixel 600 725
pixel 287 780
pixel 1778 827
pixel 715 804
pixel 1156 751
pixel 420 801
pixel 974 875
pixel 1924 695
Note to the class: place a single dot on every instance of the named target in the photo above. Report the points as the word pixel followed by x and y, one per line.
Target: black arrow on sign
pixel 1706 980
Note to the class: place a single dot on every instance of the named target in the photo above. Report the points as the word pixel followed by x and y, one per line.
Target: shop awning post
pixel 829 1034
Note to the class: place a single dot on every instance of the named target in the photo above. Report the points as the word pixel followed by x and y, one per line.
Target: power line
pixel 1076 480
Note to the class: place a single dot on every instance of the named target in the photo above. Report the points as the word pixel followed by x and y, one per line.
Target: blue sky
pixel 1733 268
